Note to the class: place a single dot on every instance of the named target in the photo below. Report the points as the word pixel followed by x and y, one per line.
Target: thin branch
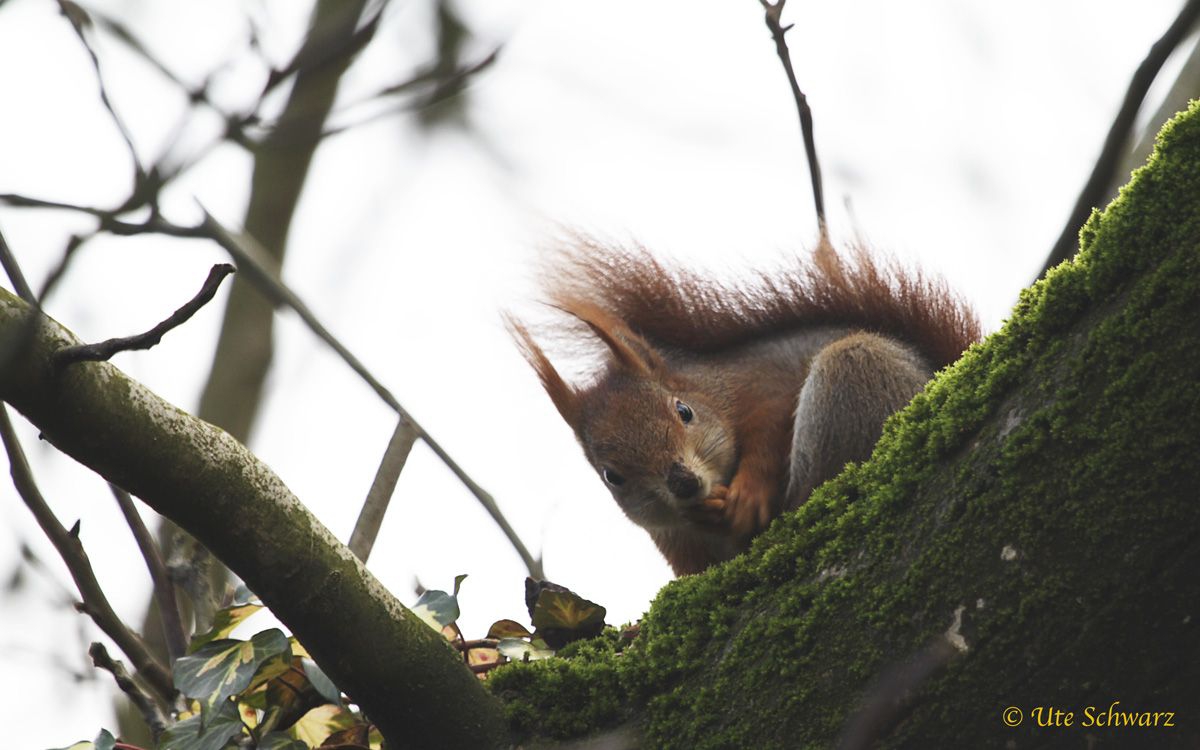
pixel 146 706
pixel 80 20
pixel 773 11
pixel 9 261
pixel 370 518
pixel 95 603
pixel 445 88
pixel 103 350
pixel 247 254
pixel 324 47
pixel 1119 134
pixel 24 201
pixel 253 261
pixel 164 588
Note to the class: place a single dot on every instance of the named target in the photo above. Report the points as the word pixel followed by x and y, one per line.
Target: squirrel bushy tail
pixel 678 308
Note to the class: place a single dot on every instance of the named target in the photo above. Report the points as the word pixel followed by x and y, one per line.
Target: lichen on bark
pixel 1036 508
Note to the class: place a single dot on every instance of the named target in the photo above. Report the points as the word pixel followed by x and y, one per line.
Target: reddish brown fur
pixel 677 308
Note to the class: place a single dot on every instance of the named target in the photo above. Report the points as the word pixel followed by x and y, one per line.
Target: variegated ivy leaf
pixel 188 734
pixel 564 609
pixel 322 721
pixel 321 683
pixel 225 667
pixel 223 624
pixel 508 629
pixel 280 741
pixel 518 649
pixel 103 741
pixel 436 608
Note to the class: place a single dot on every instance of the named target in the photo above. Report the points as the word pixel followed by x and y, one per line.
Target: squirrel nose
pixel 682 483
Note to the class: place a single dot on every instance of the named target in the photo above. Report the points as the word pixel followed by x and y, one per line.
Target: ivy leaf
pixel 517 649
pixel 280 741
pixel 316 725
pixel 436 608
pixel 478 657
pixel 103 741
pixel 225 667
pixel 188 734
pixel 565 609
pixel 321 683
pixel 508 629
pixel 561 617
pixel 223 624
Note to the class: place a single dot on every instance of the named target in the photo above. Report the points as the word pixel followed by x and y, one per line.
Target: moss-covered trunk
pixel 1026 536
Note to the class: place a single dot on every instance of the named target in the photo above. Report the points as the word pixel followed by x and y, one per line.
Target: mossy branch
pixel 395 667
pixel 1034 511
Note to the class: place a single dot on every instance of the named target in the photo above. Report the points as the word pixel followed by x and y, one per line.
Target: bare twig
pixel 103 350
pixel 1119 134
pixel 446 87
pixel 773 11
pixel 145 704
pixel 254 263
pixel 80 21
pixel 164 588
pixel 20 286
pixel 326 46
pixel 95 603
pixel 247 254
pixel 366 529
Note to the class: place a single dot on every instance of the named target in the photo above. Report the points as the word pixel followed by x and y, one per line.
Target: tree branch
pixel 80 21
pixel 258 269
pixel 146 706
pixel 164 587
pixel 248 255
pixel 401 672
pixel 95 603
pixel 1119 134
pixel 773 11
pixel 103 350
pixel 370 518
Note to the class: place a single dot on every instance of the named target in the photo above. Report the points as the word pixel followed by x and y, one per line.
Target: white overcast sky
pixel 953 133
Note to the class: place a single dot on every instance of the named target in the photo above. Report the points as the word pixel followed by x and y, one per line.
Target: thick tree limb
pixel 1035 508
pixel 394 666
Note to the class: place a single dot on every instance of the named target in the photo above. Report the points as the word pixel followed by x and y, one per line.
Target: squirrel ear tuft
pixel 628 349
pixel 565 398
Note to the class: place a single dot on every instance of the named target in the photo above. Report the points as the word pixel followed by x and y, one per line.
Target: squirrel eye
pixel 684 411
pixel 612 477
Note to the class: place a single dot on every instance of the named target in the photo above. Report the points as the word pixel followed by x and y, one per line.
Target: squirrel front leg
pixel 755 493
pixel 854 384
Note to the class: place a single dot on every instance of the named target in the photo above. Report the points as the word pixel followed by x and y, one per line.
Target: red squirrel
pixel 720 405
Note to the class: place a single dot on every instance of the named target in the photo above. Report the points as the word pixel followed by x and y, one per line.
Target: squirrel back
pixel 721 404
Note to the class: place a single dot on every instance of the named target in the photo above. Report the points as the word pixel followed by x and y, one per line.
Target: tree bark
pixel 1024 540
pixel 403 674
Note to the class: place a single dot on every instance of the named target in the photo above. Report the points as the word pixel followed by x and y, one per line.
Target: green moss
pixel 1068 441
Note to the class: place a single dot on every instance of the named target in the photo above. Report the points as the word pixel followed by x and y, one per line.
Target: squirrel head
pixel 657 443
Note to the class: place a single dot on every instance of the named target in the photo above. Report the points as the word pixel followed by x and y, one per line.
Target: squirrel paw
pixel 747 502
pixel 710 511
